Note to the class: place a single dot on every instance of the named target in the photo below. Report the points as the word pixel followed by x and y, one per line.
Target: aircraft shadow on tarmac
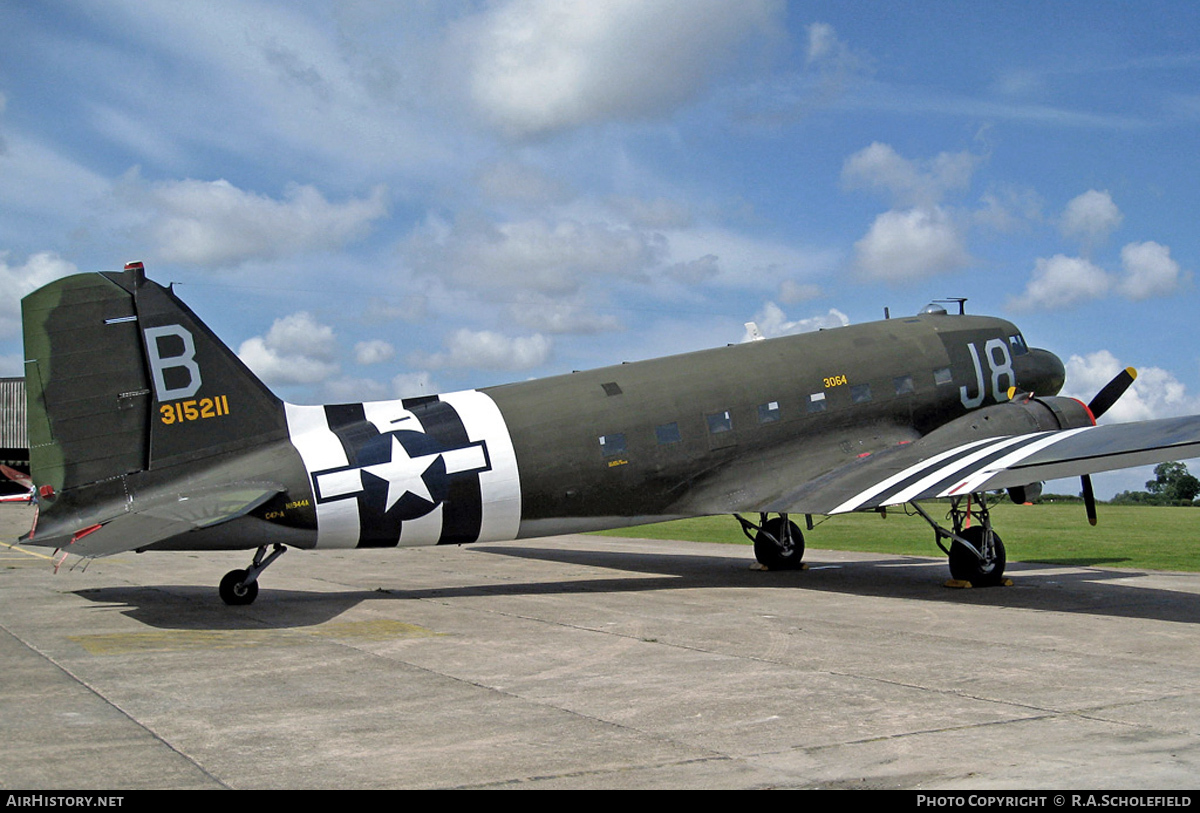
pixel 1053 588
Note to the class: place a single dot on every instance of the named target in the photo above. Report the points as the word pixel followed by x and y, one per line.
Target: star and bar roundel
pixel 418 471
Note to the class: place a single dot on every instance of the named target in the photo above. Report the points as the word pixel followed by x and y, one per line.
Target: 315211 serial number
pixel 194 410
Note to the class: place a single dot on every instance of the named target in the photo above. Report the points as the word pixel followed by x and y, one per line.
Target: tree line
pixel 1172 485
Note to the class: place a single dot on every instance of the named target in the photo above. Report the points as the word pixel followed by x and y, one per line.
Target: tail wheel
pixel 774 550
pixel 234 590
pixel 966 566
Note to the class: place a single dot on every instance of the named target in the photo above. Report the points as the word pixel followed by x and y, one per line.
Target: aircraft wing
pixel 152 520
pixel 927 468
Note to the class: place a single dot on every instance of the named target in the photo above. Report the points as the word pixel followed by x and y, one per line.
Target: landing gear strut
pixel 240 587
pixel 778 542
pixel 976 551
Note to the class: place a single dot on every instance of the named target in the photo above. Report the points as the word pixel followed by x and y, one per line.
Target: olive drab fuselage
pixel 143 419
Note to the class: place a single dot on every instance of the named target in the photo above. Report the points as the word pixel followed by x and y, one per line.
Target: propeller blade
pixel 1112 391
pixel 1100 404
pixel 1089 498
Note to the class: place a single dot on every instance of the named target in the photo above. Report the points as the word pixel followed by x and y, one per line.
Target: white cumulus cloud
pixel 1149 270
pixel 772 321
pixel 488 350
pixel 911 183
pixel 373 351
pixel 537 66
pixel 213 223
pixel 1090 217
pixel 909 245
pixel 296 350
pixel 1061 281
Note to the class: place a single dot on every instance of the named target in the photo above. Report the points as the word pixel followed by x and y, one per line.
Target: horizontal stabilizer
pixel 154 520
pixel 16 476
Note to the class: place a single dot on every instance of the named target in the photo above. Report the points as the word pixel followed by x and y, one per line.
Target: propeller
pixel 1100 404
pixel 1112 391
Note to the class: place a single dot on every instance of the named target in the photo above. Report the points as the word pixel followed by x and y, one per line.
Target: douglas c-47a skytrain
pixel 147 433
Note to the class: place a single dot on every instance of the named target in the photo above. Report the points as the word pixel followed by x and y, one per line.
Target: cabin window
pixel 904 384
pixel 768 412
pixel 612 444
pixel 719 422
pixel 942 376
pixel 611 388
pixel 667 433
pixel 860 393
pixel 816 402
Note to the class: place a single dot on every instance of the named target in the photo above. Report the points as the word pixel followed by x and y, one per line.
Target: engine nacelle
pixel 1069 412
pixel 1025 494
pixel 1017 417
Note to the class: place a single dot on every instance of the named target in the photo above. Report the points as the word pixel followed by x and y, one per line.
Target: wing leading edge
pixel 926 469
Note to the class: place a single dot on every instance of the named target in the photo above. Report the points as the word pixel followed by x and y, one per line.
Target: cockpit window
pixel 1016 343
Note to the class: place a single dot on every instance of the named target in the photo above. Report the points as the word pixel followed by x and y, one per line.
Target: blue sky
pixel 369 201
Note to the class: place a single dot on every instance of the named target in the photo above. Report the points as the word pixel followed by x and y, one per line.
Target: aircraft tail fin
pixel 121 377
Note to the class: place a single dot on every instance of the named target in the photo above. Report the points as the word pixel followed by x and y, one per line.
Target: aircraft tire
pixel 769 554
pixel 965 565
pixel 234 592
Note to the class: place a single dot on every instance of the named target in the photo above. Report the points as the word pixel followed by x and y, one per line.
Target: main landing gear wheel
pixel 966 566
pixel 235 591
pixel 976 552
pixel 779 545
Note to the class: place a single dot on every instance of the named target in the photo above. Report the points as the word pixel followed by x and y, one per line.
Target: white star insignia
pixel 403 474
